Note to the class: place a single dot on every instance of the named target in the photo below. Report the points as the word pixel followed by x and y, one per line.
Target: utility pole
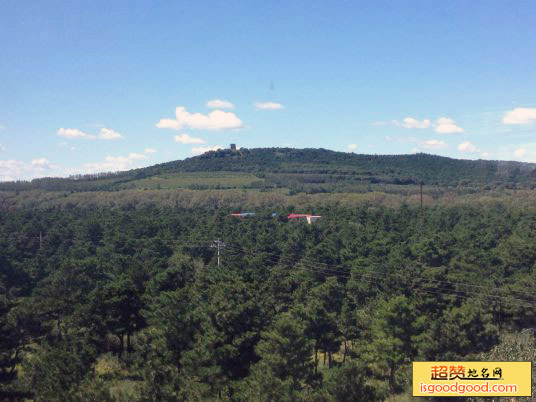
pixel 421 193
pixel 218 244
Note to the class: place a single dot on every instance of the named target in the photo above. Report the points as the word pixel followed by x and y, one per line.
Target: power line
pixel 331 269
pixel 370 277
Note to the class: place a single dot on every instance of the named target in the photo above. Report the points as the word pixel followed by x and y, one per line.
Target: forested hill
pixel 308 170
pixel 412 168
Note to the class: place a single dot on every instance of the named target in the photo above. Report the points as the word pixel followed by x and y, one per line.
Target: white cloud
pixel 407 122
pixel 2 148
pixel 410 122
pixel 186 139
pixel 104 134
pixel 41 163
pixel 352 147
pixel 135 156
pixel 520 152
pixel 114 163
pixel 3 127
pixel 467 148
pixel 445 125
pixel 434 144
pixel 525 152
pixel 63 144
pixel 400 139
pixel 109 134
pixel 268 106
pixel 149 150
pixel 520 115
pixel 220 104
pixel 17 170
pixel 11 169
pixel 202 150
pixel 215 120
pixel 74 133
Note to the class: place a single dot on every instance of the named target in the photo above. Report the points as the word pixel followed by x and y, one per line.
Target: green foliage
pixel 11 342
pixel 336 310
pixel 300 170
pixel 54 371
pixel 461 333
pixel 397 332
pixel 285 366
pixel 515 347
pixel 352 382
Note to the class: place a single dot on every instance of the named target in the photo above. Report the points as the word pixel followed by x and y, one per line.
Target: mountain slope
pixel 309 170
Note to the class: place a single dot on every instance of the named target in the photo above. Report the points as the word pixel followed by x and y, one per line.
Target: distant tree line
pixel 313 170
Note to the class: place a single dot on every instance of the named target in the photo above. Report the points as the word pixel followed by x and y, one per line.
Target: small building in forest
pixel 310 218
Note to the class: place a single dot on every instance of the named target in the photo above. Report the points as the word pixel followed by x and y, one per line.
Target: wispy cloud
pixel 12 169
pixel 434 144
pixel 104 134
pixel 443 125
pixel 520 152
pixel 400 139
pixel 215 120
pixel 149 150
pixel 186 139
pixel 114 163
pixel 74 133
pixel 202 150
pixel 268 106
pixel 407 122
pixel 410 122
pixel 384 123
pixel 41 163
pixel 467 148
pixel 525 152
pixel 352 147
pixel 431 144
pixel 109 134
pixel 220 104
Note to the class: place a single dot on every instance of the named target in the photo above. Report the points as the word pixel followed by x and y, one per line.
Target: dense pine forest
pixel 172 298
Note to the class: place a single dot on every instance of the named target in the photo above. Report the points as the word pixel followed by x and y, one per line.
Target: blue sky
pixel 111 85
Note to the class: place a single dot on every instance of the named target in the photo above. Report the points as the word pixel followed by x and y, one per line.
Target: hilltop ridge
pixel 307 170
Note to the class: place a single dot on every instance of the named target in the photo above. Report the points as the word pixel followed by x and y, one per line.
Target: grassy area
pixel 252 198
pixel 195 179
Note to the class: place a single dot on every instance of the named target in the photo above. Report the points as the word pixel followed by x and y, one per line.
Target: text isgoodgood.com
pixel 485 388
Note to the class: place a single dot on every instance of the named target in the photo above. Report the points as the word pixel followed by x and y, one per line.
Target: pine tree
pixel 285 367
